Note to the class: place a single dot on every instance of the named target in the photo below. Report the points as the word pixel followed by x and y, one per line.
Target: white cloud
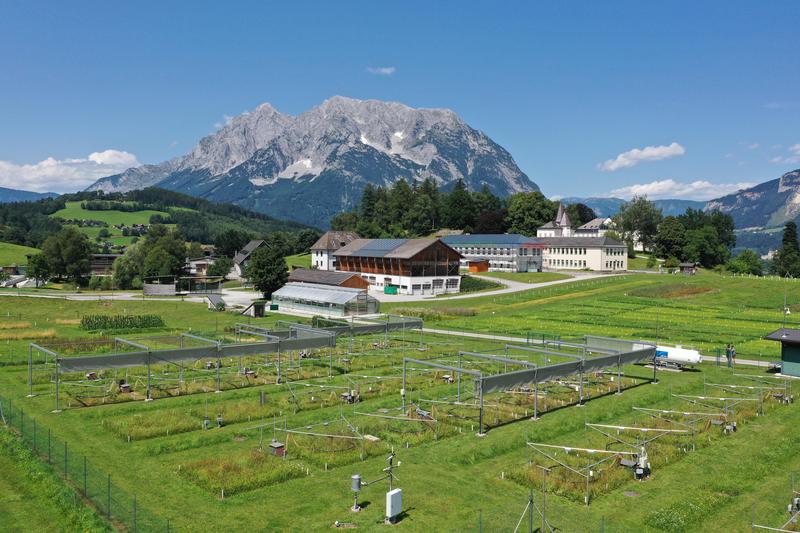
pixel 633 157
pixel 382 71
pixel 669 188
pixel 791 159
pixel 65 175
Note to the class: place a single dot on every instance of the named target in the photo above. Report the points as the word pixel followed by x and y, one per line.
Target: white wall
pixel 415 285
pixel 503 259
pixel 604 258
pixel 323 260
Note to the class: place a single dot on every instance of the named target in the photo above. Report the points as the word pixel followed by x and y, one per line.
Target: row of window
pixel 616 251
pixel 568 263
pixel 567 251
pixel 613 265
pixel 497 251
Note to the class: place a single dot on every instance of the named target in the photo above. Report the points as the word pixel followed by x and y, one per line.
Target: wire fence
pixel 94 485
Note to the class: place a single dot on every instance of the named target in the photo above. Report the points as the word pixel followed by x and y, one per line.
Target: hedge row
pixel 94 322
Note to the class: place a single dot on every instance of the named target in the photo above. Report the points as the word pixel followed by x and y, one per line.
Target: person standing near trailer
pixel 728 353
pixel 733 355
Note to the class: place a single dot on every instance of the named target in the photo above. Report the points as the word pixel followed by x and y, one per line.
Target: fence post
pixel 85 492
pixel 34 435
pixel 109 496
pixel 49 454
pixel 134 514
pixel 65 459
pixel 22 423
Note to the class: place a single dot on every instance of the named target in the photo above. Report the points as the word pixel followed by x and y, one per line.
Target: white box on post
pixel 394 504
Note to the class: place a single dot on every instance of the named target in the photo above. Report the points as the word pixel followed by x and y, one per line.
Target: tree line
pixel 421 208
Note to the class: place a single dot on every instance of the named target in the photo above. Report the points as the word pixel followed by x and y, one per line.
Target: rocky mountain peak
pixel 324 157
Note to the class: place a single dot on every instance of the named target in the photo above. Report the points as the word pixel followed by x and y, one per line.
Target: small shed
pixel 790 350
pixel 688 269
pixel 478 265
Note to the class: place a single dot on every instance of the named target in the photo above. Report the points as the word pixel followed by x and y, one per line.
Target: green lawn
pixel 33 498
pixel 14 254
pixel 452 478
pixel 527 277
pixel 640 263
pixel 706 311
pixel 299 260
pixel 73 211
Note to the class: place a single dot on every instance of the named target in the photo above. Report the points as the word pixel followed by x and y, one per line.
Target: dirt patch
pixel 671 291
pixel 68 321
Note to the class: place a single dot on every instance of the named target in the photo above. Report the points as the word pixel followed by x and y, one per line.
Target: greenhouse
pixel 315 298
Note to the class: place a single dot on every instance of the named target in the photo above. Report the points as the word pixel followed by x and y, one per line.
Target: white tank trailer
pixel 677 356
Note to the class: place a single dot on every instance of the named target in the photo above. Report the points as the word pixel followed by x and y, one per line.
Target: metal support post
pixel 58 378
pixel 480 393
pixel 148 378
pixel 403 390
pixel 219 364
pixel 619 376
pixel 108 494
pixel 85 492
pixel 65 460
pixel 30 371
pixel 459 377
pixel 535 400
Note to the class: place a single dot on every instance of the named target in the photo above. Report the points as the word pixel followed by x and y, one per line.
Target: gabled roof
pixel 319 293
pixel 333 240
pixel 548 225
pixel 249 248
pixel 389 248
pixel 580 241
pixel 490 239
pixel 596 223
pixel 324 277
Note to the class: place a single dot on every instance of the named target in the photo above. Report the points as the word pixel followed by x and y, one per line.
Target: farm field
pixel 452 479
pixel 14 254
pixel 705 311
pixel 73 211
pixel 527 277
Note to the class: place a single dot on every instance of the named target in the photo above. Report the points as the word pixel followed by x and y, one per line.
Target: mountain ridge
pixel 18 195
pixel 323 158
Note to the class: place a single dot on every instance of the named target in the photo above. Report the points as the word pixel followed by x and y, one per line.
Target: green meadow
pixel 452 479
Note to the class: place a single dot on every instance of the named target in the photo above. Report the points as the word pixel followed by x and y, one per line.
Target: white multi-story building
pixel 585 253
pixel 322 256
pixel 503 252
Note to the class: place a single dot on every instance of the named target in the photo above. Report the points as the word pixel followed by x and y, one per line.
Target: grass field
pixel 14 254
pixel 73 211
pixel 527 277
pixel 451 478
pixel 298 260
pixel 705 311
pixel 34 499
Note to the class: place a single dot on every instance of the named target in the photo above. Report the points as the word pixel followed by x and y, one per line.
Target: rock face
pixel 768 204
pixel 311 166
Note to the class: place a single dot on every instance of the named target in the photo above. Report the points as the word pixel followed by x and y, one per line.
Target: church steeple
pixel 562 219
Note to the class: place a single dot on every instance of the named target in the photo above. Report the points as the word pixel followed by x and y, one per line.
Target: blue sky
pixel 567 87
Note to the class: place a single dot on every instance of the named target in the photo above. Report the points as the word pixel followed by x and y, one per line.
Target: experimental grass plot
pixel 500 386
pixel 608 455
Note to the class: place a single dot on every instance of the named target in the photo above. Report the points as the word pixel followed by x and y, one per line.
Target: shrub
pixel 95 322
